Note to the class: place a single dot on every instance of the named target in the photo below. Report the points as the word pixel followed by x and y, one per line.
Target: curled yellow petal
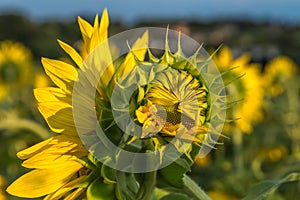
pixel 139 50
pixel 64 189
pixel 160 95
pixel 52 94
pixel 75 194
pixel 37 148
pixel 72 53
pixel 56 155
pixel 85 28
pixel 61 73
pixel 103 29
pixel 55 106
pixel 40 182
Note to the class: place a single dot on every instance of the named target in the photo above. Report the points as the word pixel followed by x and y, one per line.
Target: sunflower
pixel 277 71
pixel 248 89
pixel 15 67
pixel 2 188
pixel 41 80
pixel 54 162
pixel 172 104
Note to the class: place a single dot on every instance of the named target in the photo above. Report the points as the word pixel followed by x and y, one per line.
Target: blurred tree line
pixel 264 40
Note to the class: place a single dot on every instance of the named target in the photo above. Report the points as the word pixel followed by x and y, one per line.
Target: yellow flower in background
pixel 248 88
pixel 41 80
pixel 276 153
pixel 3 196
pixel 220 195
pixel 276 72
pixel 3 91
pixel 16 69
pixel 203 162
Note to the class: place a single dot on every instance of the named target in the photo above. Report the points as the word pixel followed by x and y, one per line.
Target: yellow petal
pixel 32 150
pixel 139 50
pixel 86 32
pixel 95 39
pixel 75 194
pixel 141 117
pixel 55 106
pixel 85 28
pixel 61 73
pixel 64 189
pixel 101 55
pixel 56 155
pixel 40 182
pixel 37 148
pixel 72 53
pixel 160 95
pixel 103 31
pixel 52 94
pixel 58 116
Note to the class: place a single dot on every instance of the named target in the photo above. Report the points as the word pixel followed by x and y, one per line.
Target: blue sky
pixel 133 10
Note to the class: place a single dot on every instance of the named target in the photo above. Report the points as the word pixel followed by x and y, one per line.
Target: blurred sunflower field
pixel 259 152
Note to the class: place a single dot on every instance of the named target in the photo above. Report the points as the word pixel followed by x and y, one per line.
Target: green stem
pixel 292 123
pixel 18 123
pixel 237 139
pixel 193 189
pixel 147 186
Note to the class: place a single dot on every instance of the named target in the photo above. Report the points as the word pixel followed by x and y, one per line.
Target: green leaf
pixel 123 191
pixel 89 179
pixel 119 194
pixel 147 184
pixel 159 193
pixel 173 174
pixel 193 189
pixel 132 183
pixel 176 196
pixel 99 190
pixel 263 189
pixel 108 174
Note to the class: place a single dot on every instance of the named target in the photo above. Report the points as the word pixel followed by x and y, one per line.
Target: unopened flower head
pixel 130 104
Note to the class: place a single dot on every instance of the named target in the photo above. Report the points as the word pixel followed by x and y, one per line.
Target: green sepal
pixel 86 162
pixel 172 175
pixel 89 179
pixel 147 183
pixel 108 174
pixel 159 193
pixel 179 52
pixel 175 196
pixel 152 57
pixel 100 190
pixel 118 193
pixel 124 186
